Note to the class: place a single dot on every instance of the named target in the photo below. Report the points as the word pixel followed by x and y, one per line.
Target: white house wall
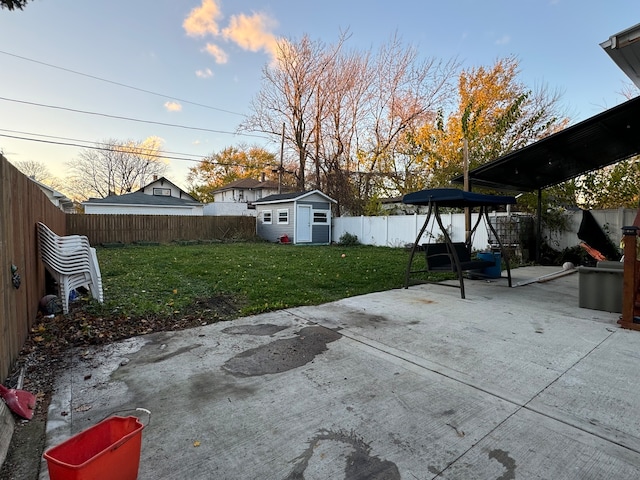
pixel 228 209
pixel 175 191
pixel 142 210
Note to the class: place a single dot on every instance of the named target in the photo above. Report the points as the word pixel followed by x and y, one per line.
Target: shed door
pixel 303 224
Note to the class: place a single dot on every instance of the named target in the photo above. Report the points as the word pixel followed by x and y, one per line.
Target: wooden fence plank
pixel 22 205
pixel 108 229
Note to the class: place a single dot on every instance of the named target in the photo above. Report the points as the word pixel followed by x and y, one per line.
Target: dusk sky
pixel 197 63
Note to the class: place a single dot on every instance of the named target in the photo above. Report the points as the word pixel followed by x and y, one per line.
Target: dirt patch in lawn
pixel 44 354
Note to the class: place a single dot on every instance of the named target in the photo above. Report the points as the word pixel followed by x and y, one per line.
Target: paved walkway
pixel 513 383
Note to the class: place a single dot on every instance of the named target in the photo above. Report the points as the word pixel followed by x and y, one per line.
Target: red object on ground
pixel 110 449
pixel 20 402
pixel 593 252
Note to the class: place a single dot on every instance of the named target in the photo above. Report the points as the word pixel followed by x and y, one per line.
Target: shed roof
pixel 604 139
pixel 290 197
pixel 140 198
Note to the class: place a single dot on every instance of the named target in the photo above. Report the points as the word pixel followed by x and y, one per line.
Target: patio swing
pixel 454 256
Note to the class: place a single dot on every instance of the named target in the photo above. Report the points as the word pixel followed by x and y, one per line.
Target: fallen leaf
pixel 196 443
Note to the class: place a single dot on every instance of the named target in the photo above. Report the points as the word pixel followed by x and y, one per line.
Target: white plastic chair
pixel 72 262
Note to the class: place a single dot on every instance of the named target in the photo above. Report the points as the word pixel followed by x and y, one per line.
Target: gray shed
pixel 299 218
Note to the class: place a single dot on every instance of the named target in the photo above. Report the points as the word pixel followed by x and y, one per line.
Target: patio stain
pixel 283 354
pixel 507 462
pixel 262 329
pixel 359 464
pixel 175 353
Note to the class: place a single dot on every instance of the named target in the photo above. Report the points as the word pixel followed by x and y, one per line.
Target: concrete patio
pixel 510 383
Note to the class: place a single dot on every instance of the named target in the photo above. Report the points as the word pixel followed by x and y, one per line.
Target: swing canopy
pixel 456 198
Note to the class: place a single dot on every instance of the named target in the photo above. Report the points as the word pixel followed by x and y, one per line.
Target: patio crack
pixel 520 406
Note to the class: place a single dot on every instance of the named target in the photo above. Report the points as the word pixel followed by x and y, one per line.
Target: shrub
pixel 348 240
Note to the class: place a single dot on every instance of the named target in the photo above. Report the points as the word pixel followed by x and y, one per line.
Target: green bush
pixel 348 240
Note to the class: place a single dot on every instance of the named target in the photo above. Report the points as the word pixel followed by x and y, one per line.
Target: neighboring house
pixel 245 190
pixel 160 197
pixel 236 198
pixel 394 206
pixel 299 218
pixel 60 200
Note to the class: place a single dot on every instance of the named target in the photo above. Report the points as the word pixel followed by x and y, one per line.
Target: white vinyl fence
pixel 401 230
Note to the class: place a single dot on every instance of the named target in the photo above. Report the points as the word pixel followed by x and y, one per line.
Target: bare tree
pixel 289 96
pixel 36 170
pixel 345 111
pixel 13 4
pixel 116 167
pixel 39 172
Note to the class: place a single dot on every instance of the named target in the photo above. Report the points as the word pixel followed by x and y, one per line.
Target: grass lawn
pixel 257 277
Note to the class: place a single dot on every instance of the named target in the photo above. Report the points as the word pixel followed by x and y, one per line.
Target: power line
pixel 121 84
pixel 112 148
pixel 88 142
pixel 94 147
pixel 118 117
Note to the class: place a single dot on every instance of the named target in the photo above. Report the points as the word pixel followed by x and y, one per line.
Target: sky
pixel 187 70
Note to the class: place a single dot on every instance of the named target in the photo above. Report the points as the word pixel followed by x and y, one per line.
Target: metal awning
pixel 604 139
pixel 624 49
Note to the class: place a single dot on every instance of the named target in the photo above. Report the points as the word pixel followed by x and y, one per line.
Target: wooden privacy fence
pixel 106 229
pixel 22 205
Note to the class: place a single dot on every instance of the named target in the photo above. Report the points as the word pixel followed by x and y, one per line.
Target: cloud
pixel 250 32
pixel 505 39
pixel 216 52
pixel 206 73
pixel 253 33
pixel 203 20
pixel 173 106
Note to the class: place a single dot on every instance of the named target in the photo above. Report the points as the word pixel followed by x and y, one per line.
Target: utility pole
pixel 467 212
pixel 280 169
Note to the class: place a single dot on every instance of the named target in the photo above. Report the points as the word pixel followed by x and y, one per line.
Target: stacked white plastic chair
pixel 72 262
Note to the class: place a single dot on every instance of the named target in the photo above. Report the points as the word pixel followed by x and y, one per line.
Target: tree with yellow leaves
pixel 495 113
pixel 232 163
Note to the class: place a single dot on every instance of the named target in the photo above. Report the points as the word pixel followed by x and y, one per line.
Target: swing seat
pixel 454 256
pixel 440 259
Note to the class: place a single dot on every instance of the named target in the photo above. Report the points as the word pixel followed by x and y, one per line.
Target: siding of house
pixel 163 186
pixel 272 232
pixel 216 209
pixel 320 233
pixel 142 210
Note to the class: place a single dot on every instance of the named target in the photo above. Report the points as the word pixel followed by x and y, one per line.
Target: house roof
pixel 604 139
pixel 140 198
pixel 249 184
pixel 291 197
pixel 61 197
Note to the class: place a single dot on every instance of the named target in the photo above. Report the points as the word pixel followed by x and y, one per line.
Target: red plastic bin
pixel 108 450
